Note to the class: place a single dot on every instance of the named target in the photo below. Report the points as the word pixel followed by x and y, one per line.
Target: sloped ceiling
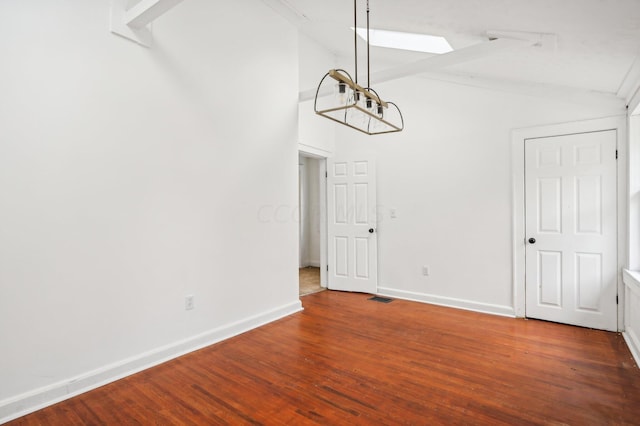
pixel 592 45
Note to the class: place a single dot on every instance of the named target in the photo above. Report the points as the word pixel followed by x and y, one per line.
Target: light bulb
pixel 341 92
pixel 357 97
pixel 369 104
pixel 363 101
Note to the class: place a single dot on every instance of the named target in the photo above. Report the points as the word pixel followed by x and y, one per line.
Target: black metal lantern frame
pixel 353 105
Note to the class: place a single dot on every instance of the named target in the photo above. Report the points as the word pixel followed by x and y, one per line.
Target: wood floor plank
pixel 347 360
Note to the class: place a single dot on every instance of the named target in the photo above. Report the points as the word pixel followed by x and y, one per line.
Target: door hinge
pixel 326 174
pixel 616 154
pixel 328 270
pixel 616 299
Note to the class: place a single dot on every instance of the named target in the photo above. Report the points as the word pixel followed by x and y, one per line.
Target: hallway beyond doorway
pixel 309 280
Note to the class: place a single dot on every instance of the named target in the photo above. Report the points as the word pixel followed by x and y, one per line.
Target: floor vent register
pixel 381 299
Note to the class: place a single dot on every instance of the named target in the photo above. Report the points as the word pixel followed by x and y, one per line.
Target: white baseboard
pixel 486 308
pixel 634 345
pixel 29 402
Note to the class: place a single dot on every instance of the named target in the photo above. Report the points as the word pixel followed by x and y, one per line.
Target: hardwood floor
pixel 346 360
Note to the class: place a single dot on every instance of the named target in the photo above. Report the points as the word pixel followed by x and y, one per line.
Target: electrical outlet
pixel 393 213
pixel 425 271
pixel 188 302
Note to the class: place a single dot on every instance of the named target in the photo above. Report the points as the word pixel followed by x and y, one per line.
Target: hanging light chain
pixel 368 62
pixel 355 36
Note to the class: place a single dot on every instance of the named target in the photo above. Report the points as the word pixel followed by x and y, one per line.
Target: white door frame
pixel 518 137
pixel 322 157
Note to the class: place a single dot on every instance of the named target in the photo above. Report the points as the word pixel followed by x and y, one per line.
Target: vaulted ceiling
pixel 574 45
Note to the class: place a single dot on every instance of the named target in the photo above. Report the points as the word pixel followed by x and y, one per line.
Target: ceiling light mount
pixel 352 105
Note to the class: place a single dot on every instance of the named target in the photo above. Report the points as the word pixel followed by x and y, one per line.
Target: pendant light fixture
pixel 358 107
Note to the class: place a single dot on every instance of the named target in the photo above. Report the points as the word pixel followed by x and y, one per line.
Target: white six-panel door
pixel 352 236
pixel 571 245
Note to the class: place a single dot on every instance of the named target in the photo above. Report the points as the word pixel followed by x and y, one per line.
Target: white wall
pixel 131 177
pixel 313 252
pixel 448 175
pixel 316 135
pixel 310 212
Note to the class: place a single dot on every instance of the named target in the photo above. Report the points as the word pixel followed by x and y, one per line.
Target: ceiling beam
pixel 147 11
pixel 609 103
pixel 289 12
pixel 438 62
pixel 434 68
pixel 134 23
pixel 434 63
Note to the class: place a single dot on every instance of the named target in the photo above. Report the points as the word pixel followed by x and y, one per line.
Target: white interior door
pixel 571 247
pixel 351 225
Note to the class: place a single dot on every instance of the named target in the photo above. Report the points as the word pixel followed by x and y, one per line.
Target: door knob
pixel 532 240
pixel 371 230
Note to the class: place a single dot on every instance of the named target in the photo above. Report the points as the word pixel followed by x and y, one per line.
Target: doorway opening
pixel 311 205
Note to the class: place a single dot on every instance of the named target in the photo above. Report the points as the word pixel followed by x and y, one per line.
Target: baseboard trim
pixel 634 345
pixel 468 305
pixel 29 402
